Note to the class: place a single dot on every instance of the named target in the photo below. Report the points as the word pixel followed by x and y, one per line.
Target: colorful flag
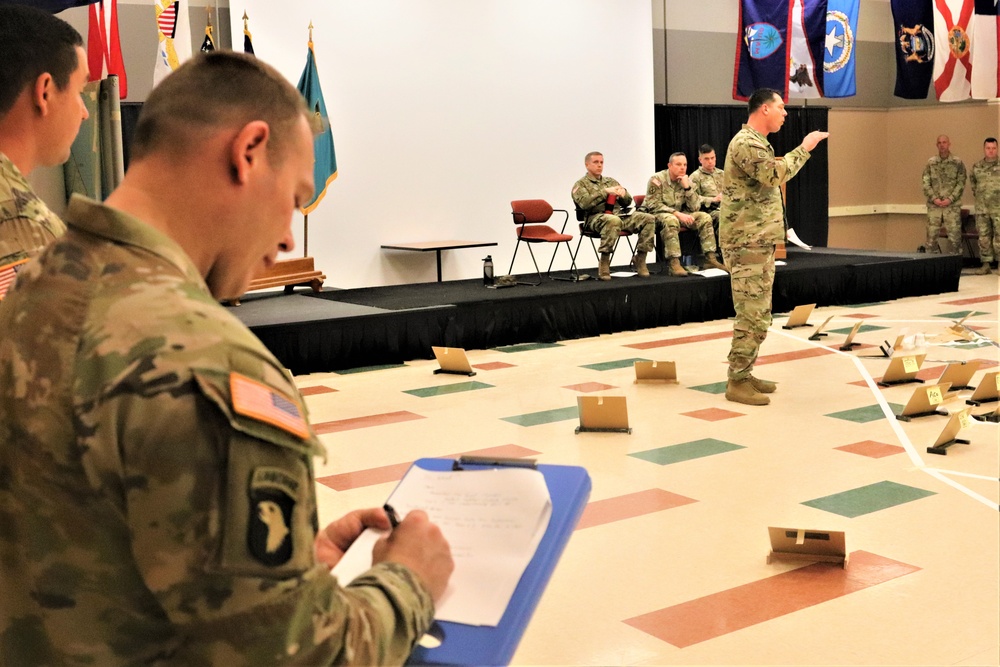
pixel 247 37
pixel 986 51
pixel 174 35
pixel 208 44
pixel 8 274
pixel 104 51
pixel 953 49
pixel 805 65
pixel 838 56
pixel 762 48
pixel 325 167
pixel 914 23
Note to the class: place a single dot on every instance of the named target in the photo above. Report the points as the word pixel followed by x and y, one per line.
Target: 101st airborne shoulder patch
pixel 258 401
pixel 272 503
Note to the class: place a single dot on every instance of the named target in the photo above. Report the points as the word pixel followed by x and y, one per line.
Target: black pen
pixel 393 517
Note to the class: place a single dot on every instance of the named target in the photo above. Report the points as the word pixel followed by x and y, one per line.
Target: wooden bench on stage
pixel 288 273
pixel 437 246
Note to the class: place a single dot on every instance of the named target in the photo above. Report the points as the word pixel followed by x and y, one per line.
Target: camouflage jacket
pixel 666 196
pixel 589 195
pixel 985 180
pixel 26 223
pixel 751 213
pixel 156 481
pixel 707 185
pixel 944 179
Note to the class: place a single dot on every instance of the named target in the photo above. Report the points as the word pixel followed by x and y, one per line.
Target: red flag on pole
pixel 104 51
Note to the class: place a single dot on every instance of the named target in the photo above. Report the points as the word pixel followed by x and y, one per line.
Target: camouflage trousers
pixel 988 227
pixel 643 225
pixel 669 227
pixel 951 218
pixel 752 277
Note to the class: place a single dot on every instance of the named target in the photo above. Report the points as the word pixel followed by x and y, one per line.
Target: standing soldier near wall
pixel 750 225
pixel 944 182
pixel 985 180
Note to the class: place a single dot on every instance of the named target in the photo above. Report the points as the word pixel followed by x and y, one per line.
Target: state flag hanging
pixel 986 54
pixel 953 44
pixel 325 166
pixel 208 44
pixel 914 23
pixel 839 78
pixel 807 28
pixel 762 48
pixel 104 50
pixel 174 34
pixel 247 37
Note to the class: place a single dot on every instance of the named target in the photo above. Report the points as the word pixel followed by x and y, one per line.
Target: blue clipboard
pixel 569 489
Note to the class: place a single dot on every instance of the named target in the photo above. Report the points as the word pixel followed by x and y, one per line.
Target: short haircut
pixel 216 90
pixel 670 160
pixel 990 140
pixel 591 154
pixel 760 97
pixel 33 42
pixel 704 149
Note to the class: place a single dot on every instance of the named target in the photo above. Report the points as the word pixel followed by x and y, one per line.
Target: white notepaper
pixel 493 520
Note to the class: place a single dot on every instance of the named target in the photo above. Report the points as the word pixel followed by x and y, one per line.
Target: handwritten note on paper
pixel 492 518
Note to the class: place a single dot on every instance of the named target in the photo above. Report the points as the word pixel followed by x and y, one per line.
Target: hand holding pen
pixel 419 545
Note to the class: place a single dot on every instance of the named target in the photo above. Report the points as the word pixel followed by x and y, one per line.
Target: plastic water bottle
pixel 488 270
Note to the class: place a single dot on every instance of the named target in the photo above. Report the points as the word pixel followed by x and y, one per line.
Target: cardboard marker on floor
pixel 902 369
pixel 924 402
pixel 949 434
pixel 987 391
pixel 453 360
pixel 662 371
pixel 849 341
pixel 799 317
pixel 819 330
pixel 959 374
pixel 602 414
pixel 799 544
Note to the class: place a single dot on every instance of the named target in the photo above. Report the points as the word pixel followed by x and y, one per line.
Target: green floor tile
pixel 686 451
pixel 714 388
pixel 962 313
pixel 365 369
pixel 864 305
pixel 544 417
pixel 862 329
pixel 426 392
pixel 869 413
pixel 868 499
pixel 525 347
pixel 613 365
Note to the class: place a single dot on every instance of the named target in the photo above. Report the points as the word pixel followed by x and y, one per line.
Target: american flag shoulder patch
pixel 259 401
pixel 8 273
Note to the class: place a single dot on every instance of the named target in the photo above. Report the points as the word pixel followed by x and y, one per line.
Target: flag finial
pixel 310 34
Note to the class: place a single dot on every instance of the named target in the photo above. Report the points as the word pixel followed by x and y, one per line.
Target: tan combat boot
pixel 711 261
pixel 639 262
pixel 983 270
pixel 675 267
pixel 742 391
pixel 763 386
pixel 604 268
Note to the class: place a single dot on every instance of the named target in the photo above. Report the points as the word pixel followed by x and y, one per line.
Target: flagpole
pixel 305 237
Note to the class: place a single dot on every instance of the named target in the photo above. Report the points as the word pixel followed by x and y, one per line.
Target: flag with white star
pixel 839 49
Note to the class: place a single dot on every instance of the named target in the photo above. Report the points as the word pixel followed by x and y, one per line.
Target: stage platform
pixel 340 329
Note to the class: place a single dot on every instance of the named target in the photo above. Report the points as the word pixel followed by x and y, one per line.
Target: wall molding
pixel 877 209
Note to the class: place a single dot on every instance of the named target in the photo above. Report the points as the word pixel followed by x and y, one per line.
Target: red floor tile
pixel 587 387
pixel 395 472
pixel 806 353
pixel 872 449
pixel 600 512
pixel 987 363
pixel 680 341
pixel 713 414
pixel 365 422
pixel 981 299
pixel 493 366
pixel 860 316
pixel 737 608
pixel 319 389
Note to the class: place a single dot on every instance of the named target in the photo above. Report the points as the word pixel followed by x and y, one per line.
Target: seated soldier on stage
pixel 668 195
pixel 707 183
pixel 602 199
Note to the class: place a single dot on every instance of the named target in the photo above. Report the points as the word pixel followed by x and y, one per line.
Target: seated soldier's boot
pixel 711 261
pixel 604 268
pixel 983 270
pixel 675 267
pixel 639 262
pixel 763 386
pixel 741 391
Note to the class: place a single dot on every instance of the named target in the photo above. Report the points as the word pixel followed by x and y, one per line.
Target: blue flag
pixel 763 50
pixel 325 169
pixel 838 55
pixel 914 22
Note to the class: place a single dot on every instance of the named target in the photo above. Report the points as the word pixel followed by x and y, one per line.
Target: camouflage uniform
pixel 589 195
pixel 750 224
pixel 985 179
pixel 156 482
pixel 665 197
pixel 708 185
pixel 944 179
pixel 26 223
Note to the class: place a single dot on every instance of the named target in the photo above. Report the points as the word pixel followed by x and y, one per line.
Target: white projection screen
pixel 443 111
